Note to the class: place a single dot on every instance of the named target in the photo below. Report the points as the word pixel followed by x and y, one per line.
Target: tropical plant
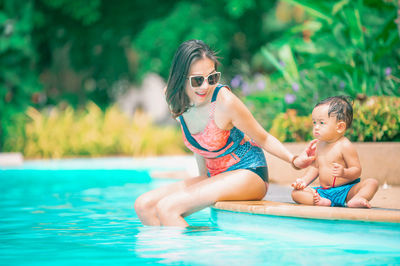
pixel 344 47
pixel 57 133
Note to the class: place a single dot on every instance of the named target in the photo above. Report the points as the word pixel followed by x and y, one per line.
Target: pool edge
pixel 312 212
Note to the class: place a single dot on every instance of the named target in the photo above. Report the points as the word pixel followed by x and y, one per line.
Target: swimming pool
pixel 81 212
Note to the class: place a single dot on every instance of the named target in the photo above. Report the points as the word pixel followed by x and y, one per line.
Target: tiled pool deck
pixel 279 203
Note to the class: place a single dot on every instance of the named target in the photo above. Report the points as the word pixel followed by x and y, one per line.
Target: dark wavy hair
pixel 341 107
pixel 188 52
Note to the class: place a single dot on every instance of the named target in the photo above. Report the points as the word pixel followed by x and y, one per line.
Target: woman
pixel 226 139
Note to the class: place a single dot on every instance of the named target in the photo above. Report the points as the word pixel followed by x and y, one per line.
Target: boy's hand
pixel 337 170
pixel 299 184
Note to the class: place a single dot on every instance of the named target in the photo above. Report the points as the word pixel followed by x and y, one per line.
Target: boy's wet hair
pixel 341 107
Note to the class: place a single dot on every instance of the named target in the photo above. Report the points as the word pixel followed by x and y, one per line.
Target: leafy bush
pixel 342 47
pixel 375 119
pixel 289 127
pixel 90 132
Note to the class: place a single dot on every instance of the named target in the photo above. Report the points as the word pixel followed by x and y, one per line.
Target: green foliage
pixel 344 47
pixel 91 132
pixel 289 127
pixel 375 119
pixel 159 40
pixel 18 78
pixel 87 12
pixel 233 28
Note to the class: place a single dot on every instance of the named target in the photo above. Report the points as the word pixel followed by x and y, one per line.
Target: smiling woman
pixel 226 139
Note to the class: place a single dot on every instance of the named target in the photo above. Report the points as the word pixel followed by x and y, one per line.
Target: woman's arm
pixel 235 113
pixel 201 164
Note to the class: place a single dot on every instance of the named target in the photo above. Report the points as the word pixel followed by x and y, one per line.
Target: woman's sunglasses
pixel 197 81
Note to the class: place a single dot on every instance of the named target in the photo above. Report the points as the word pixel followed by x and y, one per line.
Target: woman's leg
pixel 233 185
pixel 145 205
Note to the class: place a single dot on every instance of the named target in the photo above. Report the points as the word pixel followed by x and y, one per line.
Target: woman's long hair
pixel 187 53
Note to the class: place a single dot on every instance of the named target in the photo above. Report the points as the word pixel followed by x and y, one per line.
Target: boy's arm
pixel 350 156
pixel 309 176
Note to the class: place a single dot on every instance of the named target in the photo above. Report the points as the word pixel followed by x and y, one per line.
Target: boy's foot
pixel 358 203
pixel 320 201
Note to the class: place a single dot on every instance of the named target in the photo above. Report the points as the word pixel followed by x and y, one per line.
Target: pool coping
pixel 274 208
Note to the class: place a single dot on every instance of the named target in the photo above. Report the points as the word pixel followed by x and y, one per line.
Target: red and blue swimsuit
pixel 225 150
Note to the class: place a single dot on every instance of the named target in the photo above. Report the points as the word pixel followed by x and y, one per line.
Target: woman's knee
pixel 143 204
pixel 166 208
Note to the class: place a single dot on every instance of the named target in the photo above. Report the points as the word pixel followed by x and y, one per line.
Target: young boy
pixel 337 164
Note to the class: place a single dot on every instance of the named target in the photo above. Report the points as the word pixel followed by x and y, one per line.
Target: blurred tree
pixel 85 49
pixel 18 76
pixel 234 28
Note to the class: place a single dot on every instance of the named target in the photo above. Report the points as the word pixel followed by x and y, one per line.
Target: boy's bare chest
pixel 328 154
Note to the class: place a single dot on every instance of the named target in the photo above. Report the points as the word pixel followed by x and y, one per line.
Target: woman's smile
pixel 201 94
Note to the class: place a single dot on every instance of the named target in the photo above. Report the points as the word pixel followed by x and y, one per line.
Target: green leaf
pixel 315 8
pixel 339 6
pixel 286 55
pixel 275 63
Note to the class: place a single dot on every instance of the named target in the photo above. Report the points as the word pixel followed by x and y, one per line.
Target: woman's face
pixel 202 94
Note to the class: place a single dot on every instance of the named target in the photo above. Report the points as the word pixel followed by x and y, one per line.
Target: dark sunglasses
pixel 197 81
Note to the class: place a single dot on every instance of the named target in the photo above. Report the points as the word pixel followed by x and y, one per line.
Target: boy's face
pixel 326 128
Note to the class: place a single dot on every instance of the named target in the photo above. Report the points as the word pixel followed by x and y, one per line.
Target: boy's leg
pixel 309 196
pixel 361 193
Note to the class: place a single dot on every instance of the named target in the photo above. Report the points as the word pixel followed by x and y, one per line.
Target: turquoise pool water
pixel 80 212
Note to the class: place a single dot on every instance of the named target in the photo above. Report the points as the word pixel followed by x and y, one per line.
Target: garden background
pixel 65 64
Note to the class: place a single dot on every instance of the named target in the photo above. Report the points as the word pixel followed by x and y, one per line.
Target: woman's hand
pixel 299 184
pixel 307 157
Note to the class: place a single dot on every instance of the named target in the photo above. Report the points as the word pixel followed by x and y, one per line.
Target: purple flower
pixel 295 87
pixel 245 88
pixel 342 84
pixel 236 81
pixel 290 98
pixel 282 63
pixel 260 85
pixel 388 71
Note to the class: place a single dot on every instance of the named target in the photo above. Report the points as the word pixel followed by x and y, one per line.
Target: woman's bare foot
pixel 358 203
pixel 320 201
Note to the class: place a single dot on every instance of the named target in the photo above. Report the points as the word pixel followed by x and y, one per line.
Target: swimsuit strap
pixel 216 91
pixel 189 136
pixel 213 101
